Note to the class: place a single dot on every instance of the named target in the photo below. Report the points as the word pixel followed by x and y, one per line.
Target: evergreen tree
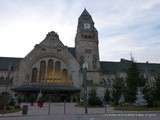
pixel 149 94
pixel 155 95
pixel 142 81
pixel 157 87
pixel 118 89
pixel 152 93
pixel 132 82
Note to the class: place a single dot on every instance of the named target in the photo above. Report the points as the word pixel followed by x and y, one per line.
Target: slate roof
pixel 85 13
pixel 8 62
pixel 110 67
pixel 107 67
pixel 72 51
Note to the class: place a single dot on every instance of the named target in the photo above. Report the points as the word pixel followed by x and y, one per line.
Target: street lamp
pixel 84 71
pixel 105 101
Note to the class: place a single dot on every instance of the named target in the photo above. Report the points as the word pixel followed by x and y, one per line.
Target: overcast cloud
pixel 124 26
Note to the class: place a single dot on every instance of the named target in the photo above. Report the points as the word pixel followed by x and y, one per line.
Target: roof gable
pixel 7 62
pixel 110 67
pixel 52 40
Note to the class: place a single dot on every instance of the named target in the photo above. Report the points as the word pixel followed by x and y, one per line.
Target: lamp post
pixel 105 101
pixel 84 71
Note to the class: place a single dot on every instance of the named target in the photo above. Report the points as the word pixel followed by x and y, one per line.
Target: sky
pixel 125 27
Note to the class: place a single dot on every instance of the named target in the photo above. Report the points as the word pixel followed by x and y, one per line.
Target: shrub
pixel 12 102
pixel 93 99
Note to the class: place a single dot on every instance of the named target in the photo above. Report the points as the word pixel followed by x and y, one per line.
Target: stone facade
pixel 51 62
pixel 50 49
pixel 86 46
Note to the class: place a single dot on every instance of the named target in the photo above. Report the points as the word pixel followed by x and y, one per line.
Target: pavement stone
pixel 77 113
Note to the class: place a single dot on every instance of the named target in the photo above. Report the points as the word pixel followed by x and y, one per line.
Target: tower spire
pixel 85 22
pixel 86 45
pixel 85 13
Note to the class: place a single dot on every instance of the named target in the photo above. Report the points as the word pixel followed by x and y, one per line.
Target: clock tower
pixel 86 45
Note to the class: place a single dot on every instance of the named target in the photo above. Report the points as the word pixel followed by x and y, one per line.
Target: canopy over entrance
pixel 47 88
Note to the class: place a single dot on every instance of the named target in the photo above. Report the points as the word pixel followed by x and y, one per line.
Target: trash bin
pixel 25 109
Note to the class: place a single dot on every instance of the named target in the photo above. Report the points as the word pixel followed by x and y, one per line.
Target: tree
pixel 156 95
pixel 4 100
pixel 132 82
pixel 157 87
pixel 93 99
pixel 149 94
pixel 107 97
pixel 142 81
pixel 152 92
pixel 118 89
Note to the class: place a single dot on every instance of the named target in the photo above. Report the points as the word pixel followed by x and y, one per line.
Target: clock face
pixel 87 26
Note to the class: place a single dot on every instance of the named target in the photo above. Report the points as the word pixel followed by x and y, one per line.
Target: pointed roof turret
pixel 85 18
pixel 85 15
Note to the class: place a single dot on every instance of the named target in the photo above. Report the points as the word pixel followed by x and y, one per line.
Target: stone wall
pixel 50 48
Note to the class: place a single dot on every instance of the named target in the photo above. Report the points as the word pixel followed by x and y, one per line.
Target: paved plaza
pixel 71 112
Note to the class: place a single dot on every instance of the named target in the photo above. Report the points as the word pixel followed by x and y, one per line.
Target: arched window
pixel 34 75
pixel 57 66
pixel 57 75
pixel 42 71
pixel 50 70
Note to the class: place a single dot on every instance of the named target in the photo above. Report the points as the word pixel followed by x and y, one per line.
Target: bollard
pixel 64 107
pixel 49 105
pixel 105 108
pixel 49 108
pixel 24 109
